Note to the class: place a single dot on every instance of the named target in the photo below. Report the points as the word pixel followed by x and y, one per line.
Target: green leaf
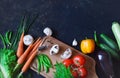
pixel 65 71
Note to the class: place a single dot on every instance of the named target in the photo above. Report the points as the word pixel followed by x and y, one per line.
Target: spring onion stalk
pixel 8 59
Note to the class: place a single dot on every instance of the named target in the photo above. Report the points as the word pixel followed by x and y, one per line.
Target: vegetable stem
pixel 3 41
pixel 20 74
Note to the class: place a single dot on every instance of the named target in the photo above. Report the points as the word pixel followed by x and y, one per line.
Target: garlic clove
pixel 47 31
pixel 74 43
pixel 27 40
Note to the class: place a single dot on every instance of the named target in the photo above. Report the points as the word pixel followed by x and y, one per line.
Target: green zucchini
pixel 110 42
pixel 112 52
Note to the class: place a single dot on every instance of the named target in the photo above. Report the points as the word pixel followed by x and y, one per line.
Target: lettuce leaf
pixel 7 62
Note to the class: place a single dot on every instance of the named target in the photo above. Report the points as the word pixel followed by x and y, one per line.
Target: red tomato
pixel 68 62
pixel 74 74
pixel 82 72
pixel 79 60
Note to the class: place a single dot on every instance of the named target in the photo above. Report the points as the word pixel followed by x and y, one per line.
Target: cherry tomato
pixel 74 74
pixel 68 62
pixel 79 60
pixel 82 72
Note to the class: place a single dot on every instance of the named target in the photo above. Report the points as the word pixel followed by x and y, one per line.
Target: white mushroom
pixel 28 39
pixel 54 49
pixel 74 43
pixel 47 31
pixel 67 54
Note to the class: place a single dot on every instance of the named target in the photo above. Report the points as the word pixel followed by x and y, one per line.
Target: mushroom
pixel 67 54
pixel 47 31
pixel 27 39
pixel 54 49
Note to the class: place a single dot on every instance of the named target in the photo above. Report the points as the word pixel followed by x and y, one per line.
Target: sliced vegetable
pixel 54 49
pixel 67 54
pixel 116 32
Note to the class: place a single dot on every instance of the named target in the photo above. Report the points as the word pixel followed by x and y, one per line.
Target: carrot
pixel 30 57
pixel 28 62
pixel 23 57
pixel 35 48
pixel 36 41
pixel 20 48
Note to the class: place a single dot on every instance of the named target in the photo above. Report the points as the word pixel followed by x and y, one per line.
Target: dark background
pixel 68 19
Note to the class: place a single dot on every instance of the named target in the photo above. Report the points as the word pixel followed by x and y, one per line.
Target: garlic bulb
pixel 28 39
pixel 74 43
pixel 47 31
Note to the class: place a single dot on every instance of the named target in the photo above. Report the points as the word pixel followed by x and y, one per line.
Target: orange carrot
pixel 31 57
pixel 23 57
pixel 36 41
pixel 28 62
pixel 36 46
pixel 20 48
pixel 34 49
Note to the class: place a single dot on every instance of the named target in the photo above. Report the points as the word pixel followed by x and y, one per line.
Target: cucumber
pixel 110 42
pixel 112 52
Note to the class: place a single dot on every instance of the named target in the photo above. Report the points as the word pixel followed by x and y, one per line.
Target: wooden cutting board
pixel 49 42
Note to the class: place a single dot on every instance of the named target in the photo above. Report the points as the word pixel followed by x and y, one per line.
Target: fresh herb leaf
pixel 65 71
